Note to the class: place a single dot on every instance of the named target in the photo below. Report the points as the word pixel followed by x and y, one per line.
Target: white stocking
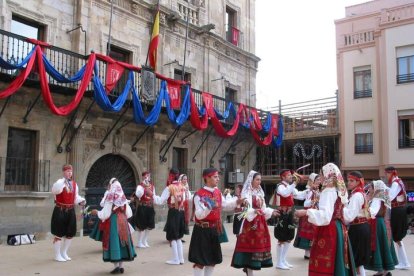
pixel 198 271
pixel 208 270
pixel 180 251
pixel 361 270
pixel 65 248
pixel 175 260
pixel 145 238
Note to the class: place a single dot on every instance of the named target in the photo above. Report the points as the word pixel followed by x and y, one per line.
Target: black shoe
pixel 306 257
pixel 116 270
pixel 121 269
pixel 245 270
pixel 183 241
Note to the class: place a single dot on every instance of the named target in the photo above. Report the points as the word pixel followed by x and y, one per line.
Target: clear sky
pixel 295 40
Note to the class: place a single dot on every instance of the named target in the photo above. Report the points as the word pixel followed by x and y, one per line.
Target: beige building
pixel 375 61
pixel 35 143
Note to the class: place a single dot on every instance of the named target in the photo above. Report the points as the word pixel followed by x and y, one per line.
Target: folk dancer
pixel 356 214
pixel 330 253
pixel 63 223
pixel 174 195
pixel 383 256
pixel 237 219
pixel 116 241
pixel 306 230
pixel 399 224
pixel 284 231
pixel 253 247
pixel 145 214
pixel 205 249
pixel 183 178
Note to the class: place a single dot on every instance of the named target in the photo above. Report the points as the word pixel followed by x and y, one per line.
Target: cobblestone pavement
pixel 86 254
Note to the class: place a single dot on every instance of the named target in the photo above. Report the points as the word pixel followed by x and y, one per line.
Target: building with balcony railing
pixel 66 36
pixel 375 54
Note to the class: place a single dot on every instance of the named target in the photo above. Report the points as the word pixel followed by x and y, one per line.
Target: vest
pixel 145 198
pixel 401 195
pixel 67 197
pixel 215 214
pixel 284 201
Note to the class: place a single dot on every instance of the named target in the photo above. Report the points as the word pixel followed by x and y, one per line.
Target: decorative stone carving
pixel 96 132
pixel 134 8
pixel 88 149
pixel 117 141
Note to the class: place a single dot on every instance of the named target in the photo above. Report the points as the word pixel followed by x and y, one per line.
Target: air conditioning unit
pixel 236 177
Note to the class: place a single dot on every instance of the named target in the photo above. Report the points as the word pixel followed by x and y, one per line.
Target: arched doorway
pixel 106 167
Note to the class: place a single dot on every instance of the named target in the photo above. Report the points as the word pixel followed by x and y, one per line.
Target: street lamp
pixel 222 164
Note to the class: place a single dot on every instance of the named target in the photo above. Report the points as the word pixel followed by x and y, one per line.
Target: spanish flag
pixel 152 51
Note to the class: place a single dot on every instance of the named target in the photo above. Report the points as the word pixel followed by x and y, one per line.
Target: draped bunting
pixel 268 133
pixel 47 97
pixel 20 79
pixel 102 98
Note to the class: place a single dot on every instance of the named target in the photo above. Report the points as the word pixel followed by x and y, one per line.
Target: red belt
pixel 359 221
pixel 145 203
pixel 206 224
pixel 64 206
pixel 397 204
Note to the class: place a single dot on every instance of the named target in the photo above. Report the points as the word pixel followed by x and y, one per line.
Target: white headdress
pixel 312 178
pixel 247 191
pixel 333 176
pixel 381 192
pixel 116 195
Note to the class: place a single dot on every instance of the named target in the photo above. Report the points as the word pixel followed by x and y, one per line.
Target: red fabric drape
pixel 174 91
pixel 266 141
pixel 218 127
pixel 20 79
pixel 114 72
pixel 256 119
pixel 196 121
pixel 47 96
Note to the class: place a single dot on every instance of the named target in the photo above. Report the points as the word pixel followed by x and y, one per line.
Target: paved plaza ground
pixel 86 254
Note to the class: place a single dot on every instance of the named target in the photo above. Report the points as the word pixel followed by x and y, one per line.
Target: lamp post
pixel 222 164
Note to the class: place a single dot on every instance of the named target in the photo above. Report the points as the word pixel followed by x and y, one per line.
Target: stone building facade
pixel 220 59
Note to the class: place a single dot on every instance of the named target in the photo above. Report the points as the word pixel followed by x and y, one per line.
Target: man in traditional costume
pixel 356 214
pixel 116 237
pixel 306 230
pixel 284 230
pixel 330 253
pixel 205 249
pixel 383 256
pixel 63 225
pixel 399 223
pixel 145 214
pixel 174 195
pixel 253 247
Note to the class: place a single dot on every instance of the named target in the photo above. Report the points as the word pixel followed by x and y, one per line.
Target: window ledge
pixel 40 195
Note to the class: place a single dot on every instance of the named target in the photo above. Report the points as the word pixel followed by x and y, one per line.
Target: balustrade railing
pixel 24 174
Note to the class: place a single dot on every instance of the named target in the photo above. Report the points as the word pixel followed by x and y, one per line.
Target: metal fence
pixel 24 174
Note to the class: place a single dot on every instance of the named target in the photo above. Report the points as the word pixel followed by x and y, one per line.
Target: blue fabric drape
pixel 278 141
pixel 102 98
pixel 185 107
pixel 230 108
pixel 58 76
pixel 9 66
pixel 139 116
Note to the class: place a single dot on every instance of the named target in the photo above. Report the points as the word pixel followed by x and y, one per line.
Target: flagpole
pixel 108 48
pixel 185 44
pixel 152 28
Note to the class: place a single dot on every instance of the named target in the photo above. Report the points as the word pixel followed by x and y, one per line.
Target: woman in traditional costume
pixel 306 230
pixel 330 252
pixel 383 256
pixel 253 246
pixel 116 240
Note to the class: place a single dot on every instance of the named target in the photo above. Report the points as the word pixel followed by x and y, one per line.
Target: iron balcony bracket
pixel 101 145
pixel 133 148
pixel 202 143
pixel 215 152
pixel 4 106
pixel 30 107
pixel 169 142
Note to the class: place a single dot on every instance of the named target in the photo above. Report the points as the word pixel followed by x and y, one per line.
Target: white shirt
pixel 290 189
pixel 323 215
pixel 201 211
pixel 251 212
pixel 60 184
pixel 375 207
pixel 395 190
pixel 308 200
pixel 106 212
pixel 354 208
